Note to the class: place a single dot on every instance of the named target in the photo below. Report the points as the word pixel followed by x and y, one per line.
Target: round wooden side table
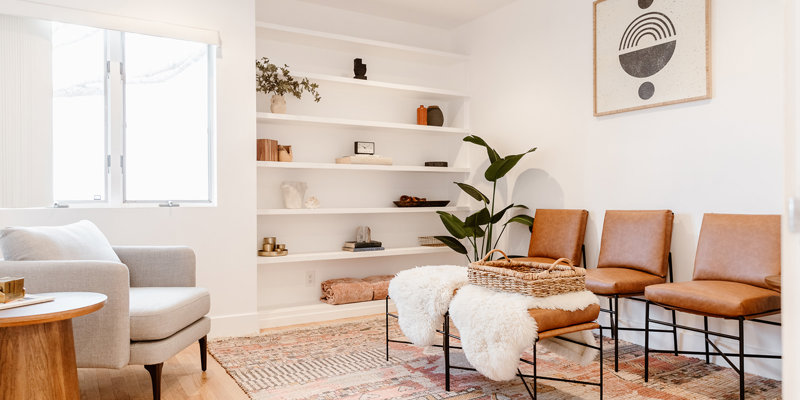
pixel 37 352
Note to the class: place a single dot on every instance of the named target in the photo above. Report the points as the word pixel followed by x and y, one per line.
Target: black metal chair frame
pixel 613 315
pixel 446 336
pixel 706 332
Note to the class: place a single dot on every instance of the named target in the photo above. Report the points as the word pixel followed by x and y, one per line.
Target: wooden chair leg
pixel 203 352
pixel 155 378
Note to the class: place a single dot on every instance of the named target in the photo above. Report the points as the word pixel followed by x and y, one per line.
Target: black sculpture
pixel 360 69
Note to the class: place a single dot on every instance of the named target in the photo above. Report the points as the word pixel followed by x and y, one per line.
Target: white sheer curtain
pixel 26 149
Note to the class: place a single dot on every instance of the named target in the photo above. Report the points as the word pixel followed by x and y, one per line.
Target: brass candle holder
pixel 271 248
pixel 11 289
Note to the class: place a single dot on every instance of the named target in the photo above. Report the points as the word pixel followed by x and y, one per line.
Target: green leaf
pixel 499 215
pixel 500 168
pixel 474 231
pixel 521 219
pixel 493 156
pixel 452 243
pixel 454 225
pixel 472 191
pixel 476 220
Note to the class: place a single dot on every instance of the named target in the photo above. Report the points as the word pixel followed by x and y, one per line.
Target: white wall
pixel 531 81
pixel 222 235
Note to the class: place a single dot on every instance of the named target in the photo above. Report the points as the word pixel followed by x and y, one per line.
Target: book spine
pixel 360 249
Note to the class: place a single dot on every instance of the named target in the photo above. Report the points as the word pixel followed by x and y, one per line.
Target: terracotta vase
pixel 277 104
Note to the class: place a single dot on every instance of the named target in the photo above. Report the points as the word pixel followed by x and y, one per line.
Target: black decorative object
pixel 360 69
pixel 364 147
pixel 436 163
pixel 435 116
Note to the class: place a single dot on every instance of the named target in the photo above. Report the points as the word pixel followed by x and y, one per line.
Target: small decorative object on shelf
pixel 422 115
pixel 364 148
pixel 293 194
pixel 11 289
pixel 412 201
pixel 435 116
pixel 360 69
pixel 363 241
pixel 285 153
pixel 312 202
pixel 363 234
pixel 266 150
pixel 430 241
pixel 365 159
pixel 436 164
pixel 278 81
pixel 271 248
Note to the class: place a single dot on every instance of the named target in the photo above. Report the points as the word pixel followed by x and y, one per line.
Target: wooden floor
pixel 181 379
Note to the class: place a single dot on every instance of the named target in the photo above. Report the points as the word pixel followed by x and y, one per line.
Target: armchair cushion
pixel 159 312
pixel 609 281
pixel 715 298
pixel 79 241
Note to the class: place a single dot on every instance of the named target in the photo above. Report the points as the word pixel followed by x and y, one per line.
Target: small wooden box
pixel 11 289
pixel 267 150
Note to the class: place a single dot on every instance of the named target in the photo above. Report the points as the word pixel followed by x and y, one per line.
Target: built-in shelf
pixel 344 255
pixel 358 46
pixel 360 167
pixel 416 90
pixel 353 210
pixel 290 119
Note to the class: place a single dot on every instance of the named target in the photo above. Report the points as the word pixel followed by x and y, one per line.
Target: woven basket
pixel 528 278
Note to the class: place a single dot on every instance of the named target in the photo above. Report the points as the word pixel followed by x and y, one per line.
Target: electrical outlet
pixel 310 278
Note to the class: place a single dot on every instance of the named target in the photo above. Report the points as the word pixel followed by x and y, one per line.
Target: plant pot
pixel 435 116
pixel 277 104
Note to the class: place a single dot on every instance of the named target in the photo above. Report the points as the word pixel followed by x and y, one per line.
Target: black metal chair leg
pixel 616 333
pixel 611 315
pixel 203 352
pixel 387 328
pixel 646 340
pixel 674 333
pixel 155 378
pixel 705 327
pixel 601 363
pixel 535 385
pixel 741 358
pixel 446 348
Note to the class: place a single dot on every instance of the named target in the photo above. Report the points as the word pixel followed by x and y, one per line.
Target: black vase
pixel 435 116
pixel 360 69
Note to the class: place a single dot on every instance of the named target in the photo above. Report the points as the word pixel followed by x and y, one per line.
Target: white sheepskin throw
pixel 422 296
pixel 495 327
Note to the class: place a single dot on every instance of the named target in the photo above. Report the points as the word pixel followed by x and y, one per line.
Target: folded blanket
pixel 422 296
pixel 346 290
pixel 380 285
pixel 495 327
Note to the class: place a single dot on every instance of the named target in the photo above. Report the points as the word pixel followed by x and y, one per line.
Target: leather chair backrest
pixel 638 240
pixel 738 248
pixel 558 233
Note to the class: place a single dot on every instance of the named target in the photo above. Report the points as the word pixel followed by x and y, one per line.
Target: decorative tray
pixel 427 203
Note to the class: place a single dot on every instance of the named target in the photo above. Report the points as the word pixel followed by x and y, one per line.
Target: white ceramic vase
pixel 293 194
pixel 277 104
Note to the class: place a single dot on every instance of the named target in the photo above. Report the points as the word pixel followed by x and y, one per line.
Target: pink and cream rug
pixel 346 360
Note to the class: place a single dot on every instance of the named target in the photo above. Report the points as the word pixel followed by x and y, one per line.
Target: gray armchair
pixel 153 310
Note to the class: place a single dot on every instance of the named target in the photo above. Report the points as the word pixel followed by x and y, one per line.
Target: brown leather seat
pixel 554 319
pixel 735 253
pixel 543 260
pixel 623 281
pixel 558 234
pixel 716 298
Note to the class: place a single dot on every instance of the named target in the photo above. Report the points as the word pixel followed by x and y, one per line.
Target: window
pixel 132 117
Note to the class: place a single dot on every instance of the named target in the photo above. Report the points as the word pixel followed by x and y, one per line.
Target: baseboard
pixel 320 312
pixel 234 325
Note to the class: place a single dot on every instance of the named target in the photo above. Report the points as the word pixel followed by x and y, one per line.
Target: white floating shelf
pixel 418 90
pixel 289 119
pixel 381 210
pixel 359 47
pixel 361 167
pixel 344 255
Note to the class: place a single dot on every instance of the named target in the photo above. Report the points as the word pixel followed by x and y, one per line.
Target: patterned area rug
pixel 347 360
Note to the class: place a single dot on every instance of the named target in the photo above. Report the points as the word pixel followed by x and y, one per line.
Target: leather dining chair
pixel 557 234
pixel 735 254
pixel 634 253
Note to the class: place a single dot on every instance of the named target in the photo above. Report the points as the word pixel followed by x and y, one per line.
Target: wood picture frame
pixel 663 47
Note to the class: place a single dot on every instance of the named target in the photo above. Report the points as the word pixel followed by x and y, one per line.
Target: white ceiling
pixel 437 13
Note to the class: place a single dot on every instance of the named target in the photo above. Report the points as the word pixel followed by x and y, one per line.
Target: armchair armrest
pixel 158 266
pixel 102 338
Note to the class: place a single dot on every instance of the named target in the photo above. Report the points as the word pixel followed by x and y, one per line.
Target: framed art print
pixel 650 53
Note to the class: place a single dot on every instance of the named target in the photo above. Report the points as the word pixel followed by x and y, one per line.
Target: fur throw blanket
pixel 422 296
pixel 495 328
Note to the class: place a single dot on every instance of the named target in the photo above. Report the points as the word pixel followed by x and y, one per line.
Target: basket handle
pixel 565 260
pixel 486 257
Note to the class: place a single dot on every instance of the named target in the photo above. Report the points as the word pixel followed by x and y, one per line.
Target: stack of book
pixel 363 246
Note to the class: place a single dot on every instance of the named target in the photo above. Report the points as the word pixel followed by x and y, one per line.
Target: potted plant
pixel 480 225
pixel 278 81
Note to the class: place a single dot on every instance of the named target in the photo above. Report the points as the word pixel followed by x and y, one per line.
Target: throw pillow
pixel 79 241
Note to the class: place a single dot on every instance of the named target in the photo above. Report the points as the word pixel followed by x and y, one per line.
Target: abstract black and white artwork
pixel 650 53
